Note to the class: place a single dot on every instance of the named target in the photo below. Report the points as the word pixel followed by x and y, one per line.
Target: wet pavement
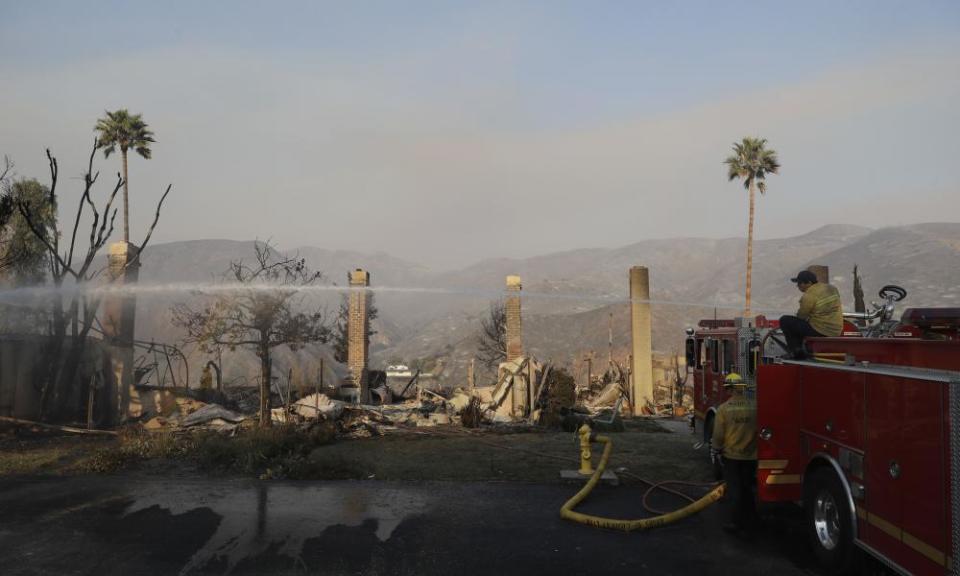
pixel 132 525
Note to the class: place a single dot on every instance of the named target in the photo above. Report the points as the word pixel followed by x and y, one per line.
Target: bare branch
pixel 88 183
pixel 104 232
pixel 492 338
pixel 7 168
pixel 156 218
pixel 101 239
pixel 257 318
pixel 54 173
pixel 41 235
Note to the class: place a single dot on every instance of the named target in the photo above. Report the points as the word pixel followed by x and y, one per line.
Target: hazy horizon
pixel 465 264
pixel 454 132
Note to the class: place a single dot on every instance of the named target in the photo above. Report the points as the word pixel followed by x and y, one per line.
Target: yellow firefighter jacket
pixel 735 428
pixel 820 306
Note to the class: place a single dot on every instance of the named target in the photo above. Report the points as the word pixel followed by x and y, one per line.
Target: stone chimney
pixel 119 323
pixel 641 332
pixel 120 309
pixel 514 319
pixel 358 327
pixel 821 272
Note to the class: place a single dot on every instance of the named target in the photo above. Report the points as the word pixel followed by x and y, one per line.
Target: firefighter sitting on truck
pixel 735 438
pixel 820 313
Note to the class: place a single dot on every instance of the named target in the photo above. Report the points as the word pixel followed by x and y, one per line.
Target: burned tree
pixel 492 339
pixel 71 270
pixel 859 304
pixel 6 200
pixel 257 312
pixel 678 376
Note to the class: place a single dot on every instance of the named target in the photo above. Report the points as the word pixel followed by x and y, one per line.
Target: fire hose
pixel 567 512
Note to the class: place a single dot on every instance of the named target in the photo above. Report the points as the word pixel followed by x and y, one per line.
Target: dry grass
pixel 444 453
pixel 29 452
pixel 267 453
pixel 134 445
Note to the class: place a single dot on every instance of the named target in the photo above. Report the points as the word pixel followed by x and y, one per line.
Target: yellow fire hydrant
pixel 586 467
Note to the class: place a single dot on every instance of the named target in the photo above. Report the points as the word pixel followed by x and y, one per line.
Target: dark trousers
pixel 740 476
pixel 795 330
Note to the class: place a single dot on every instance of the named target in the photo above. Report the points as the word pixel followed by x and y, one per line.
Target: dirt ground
pixel 647 449
pixel 416 501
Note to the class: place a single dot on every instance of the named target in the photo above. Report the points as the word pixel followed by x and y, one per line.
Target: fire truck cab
pixel 859 433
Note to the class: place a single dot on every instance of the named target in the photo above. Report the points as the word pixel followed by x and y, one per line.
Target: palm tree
pixel 751 162
pixel 120 128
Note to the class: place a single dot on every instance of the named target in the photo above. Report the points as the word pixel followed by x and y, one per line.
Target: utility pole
pixel 589 370
pixel 470 375
pixel 610 340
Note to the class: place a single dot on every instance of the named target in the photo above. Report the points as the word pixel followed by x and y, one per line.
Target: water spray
pixel 28 295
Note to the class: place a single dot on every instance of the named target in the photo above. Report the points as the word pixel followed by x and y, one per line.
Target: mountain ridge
pixel 570 294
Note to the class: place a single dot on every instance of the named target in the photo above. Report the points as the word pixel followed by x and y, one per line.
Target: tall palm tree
pixel 751 162
pixel 120 128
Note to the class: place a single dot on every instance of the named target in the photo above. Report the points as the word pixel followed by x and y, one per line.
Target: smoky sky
pixel 447 133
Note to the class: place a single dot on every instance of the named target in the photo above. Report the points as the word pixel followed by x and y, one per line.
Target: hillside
pixel 569 296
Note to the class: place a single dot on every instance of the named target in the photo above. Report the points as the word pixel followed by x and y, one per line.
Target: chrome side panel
pixel 883 559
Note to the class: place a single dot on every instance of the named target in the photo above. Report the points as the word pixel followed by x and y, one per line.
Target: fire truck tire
pixel 828 521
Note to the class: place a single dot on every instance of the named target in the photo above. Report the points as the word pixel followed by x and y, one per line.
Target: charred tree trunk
pixel 859 305
pixel 68 379
pixel 49 392
pixel 264 353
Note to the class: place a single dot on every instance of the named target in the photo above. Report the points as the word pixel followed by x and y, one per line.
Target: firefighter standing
pixel 735 438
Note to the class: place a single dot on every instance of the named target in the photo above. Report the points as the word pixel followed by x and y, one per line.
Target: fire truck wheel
pixel 829 524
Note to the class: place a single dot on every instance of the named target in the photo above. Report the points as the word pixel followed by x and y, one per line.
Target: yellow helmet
pixel 734 379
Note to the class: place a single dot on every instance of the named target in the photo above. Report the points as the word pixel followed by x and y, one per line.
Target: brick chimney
pixel 357 329
pixel 514 319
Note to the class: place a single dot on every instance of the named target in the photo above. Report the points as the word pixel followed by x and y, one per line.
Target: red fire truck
pixel 860 433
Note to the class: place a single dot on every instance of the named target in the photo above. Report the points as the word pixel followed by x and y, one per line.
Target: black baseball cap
pixel 805 277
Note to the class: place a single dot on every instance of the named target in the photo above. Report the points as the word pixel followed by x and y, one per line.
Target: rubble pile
pixel 215 417
pixel 183 412
pixel 527 393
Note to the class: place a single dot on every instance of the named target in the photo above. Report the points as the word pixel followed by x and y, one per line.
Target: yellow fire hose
pixel 567 512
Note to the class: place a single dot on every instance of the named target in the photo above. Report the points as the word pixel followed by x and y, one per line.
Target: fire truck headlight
pixel 766 434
